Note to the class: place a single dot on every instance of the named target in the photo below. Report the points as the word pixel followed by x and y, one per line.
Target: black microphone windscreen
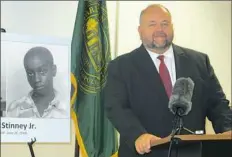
pixel 180 100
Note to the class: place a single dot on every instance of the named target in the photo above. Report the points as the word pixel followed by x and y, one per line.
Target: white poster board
pixel 35 89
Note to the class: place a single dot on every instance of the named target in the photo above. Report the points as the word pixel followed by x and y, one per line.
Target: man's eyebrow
pixel 29 70
pixel 151 22
pixel 166 21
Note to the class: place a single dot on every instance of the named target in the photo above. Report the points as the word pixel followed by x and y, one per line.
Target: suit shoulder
pixel 198 58
pixel 192 52
pixel 122 64
pixel 124 58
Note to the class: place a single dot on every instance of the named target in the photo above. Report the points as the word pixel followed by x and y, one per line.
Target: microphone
pixel 180 104
pixel 180 100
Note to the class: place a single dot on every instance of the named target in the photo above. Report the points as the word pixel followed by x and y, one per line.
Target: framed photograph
pixel 35 88
pixel 3 85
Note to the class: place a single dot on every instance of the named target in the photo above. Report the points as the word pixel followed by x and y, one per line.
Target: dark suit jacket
pixel 136 101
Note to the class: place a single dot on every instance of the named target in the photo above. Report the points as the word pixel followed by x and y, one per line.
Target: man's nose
pixel 159 27
pixel 37 77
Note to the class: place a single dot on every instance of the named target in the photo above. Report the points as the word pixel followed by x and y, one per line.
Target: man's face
pixel 40 74
pixel 156 29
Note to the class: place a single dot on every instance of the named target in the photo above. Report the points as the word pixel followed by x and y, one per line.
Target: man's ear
pixel 139 30
pixel 172 26
pixel 54 70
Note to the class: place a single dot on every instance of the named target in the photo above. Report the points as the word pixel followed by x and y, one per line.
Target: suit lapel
pixel 183 66
pixel 148 70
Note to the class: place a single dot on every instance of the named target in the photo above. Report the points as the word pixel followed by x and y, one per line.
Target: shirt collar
pixel 54 102
pixel 168 54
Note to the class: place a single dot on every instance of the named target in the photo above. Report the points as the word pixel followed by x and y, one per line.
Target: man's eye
pixel 151 25
pixel 165 24
pixel 43 71
pixel 30 74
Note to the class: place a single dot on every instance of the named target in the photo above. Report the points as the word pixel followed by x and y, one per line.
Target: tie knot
pixel 161 58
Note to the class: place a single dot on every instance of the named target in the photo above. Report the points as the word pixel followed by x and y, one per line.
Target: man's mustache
pixel 159 34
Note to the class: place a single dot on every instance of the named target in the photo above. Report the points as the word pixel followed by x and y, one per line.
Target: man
pixel 42 101
pixel 139 85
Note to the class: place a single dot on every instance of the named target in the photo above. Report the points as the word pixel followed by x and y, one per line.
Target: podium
pixel 217 145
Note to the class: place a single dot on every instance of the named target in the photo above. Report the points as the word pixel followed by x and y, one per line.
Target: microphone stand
pixel 3 30
pixel 30 147
pixel 178 125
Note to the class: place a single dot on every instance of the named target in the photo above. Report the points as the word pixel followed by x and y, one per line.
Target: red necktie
pixel 165 76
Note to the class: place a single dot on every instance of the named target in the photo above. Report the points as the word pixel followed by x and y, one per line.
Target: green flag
pixel 90 54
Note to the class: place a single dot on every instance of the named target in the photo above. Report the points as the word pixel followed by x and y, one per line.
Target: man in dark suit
pixel 139 85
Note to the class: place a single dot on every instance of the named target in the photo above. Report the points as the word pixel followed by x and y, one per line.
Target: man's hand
pixel 228 132
pixel 143 143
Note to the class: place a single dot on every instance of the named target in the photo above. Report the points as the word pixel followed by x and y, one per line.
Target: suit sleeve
pixel 219 112
pixel 118 109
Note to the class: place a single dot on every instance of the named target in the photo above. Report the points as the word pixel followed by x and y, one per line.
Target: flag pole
pixel 116 30
pixel 116 49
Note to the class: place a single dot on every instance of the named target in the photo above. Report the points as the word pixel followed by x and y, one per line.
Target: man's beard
pixel 164 46
pixel 153 45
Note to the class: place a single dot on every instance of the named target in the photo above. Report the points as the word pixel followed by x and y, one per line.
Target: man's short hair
pixel 39 51
pixel 153 5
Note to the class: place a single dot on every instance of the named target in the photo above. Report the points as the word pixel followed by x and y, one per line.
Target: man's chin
pixel 162 46
pixel 39 92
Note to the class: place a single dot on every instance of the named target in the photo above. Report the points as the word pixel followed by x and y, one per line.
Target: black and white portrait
pixel 35 88
pixel 37 80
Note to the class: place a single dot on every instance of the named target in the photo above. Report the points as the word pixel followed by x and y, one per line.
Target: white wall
pixel 46 18
pixel 203 26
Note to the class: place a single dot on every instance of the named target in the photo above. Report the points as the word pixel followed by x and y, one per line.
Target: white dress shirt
pixel 169 61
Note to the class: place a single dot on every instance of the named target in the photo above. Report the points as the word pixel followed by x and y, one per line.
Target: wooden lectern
pixel 217 145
